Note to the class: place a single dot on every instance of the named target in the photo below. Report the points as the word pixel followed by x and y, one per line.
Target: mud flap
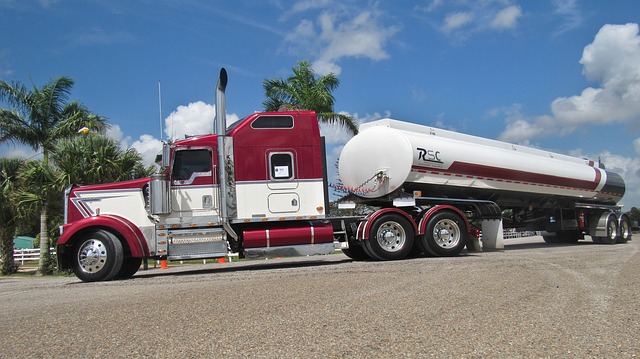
pixel 492 236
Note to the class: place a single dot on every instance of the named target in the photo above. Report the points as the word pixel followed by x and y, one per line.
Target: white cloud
pixel 148 147
pixel 569 11
pixel 337 33
pixel 305 5
pixel 507 18
pixel 456 20
pixel 195 118
pixel 612 61
pixel 461 19
pixel 115 133
pixel 431 6
pixel 636 146
pixel 97 36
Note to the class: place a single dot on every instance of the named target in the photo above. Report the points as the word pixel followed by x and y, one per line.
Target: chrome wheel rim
pixel 391 236
pixel 612 229
pixel 624 229
pixel 92 256
pixel 446 233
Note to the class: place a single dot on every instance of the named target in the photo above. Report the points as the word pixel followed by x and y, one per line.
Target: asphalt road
pixel 531 300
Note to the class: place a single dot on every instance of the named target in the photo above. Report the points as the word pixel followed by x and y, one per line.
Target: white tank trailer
pixel 535 189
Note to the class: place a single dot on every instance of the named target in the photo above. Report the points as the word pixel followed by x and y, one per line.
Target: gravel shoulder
pixel 530 300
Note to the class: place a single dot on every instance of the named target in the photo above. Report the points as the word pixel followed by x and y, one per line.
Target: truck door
pixel 283 182
pixel 194 187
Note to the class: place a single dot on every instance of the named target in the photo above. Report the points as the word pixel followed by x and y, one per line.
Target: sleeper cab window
pixel 281 165
pixel 188 162
pixel 272 122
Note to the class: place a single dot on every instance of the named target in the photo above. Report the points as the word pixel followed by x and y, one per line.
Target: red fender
pixel 127 230
pixel 433 210
pixel 364 228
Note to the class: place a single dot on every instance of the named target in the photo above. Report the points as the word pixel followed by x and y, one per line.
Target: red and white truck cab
pixel 268 199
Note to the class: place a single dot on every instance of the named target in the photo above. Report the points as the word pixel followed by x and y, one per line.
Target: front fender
pixel 121 227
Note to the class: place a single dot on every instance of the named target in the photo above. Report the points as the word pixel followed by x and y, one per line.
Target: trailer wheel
pixel 392 238
pixel 625 230
pixel 97 256
pixel 129 267
pixel 612 230
pixel 446 235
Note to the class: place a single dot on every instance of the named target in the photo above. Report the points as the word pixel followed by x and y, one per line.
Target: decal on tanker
pixel 429 158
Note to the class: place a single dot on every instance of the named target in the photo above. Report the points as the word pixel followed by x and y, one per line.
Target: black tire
pixel 367 249
pixel 391 238
pixel 97 256
pixel 624 229
pixel 129 267
pixel 446 235
pixel 612 230
pixel 356 253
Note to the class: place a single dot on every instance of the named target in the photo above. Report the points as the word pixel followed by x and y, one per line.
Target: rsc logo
pixel 429 155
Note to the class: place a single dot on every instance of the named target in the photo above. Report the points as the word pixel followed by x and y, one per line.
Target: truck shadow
pixel 196 269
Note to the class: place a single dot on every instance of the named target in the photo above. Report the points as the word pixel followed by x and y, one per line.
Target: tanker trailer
pixel 537 190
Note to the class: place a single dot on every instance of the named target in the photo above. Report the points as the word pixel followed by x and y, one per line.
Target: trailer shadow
pixel 539 245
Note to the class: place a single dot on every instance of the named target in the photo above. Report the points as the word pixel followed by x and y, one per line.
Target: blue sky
pixel 563 75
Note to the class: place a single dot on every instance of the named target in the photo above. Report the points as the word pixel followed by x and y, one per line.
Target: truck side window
pixel 191 161
pixel 273 122
pixel 281 165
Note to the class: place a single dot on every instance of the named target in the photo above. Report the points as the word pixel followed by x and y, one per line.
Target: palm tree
pixel 39 187
pixel 8 211
pixel 303 91
pixel 94 158
pixel 39 118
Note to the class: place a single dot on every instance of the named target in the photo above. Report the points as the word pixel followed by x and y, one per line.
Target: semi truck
pixel 259 188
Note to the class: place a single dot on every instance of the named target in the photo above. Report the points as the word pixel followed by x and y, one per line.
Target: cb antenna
pixel 160 105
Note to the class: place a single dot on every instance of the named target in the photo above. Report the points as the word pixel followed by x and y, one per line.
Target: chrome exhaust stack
pixel 225 158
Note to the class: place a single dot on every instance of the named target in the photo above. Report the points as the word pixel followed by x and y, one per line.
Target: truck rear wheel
pixel 356 251
pixel 625 230
pixel 97 256
pixel 446 235
pixel 612 231
pixel 391 239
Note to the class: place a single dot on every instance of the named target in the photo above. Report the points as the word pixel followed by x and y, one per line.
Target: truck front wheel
pixel 97 256
pixel 391 239
pixel 446 235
